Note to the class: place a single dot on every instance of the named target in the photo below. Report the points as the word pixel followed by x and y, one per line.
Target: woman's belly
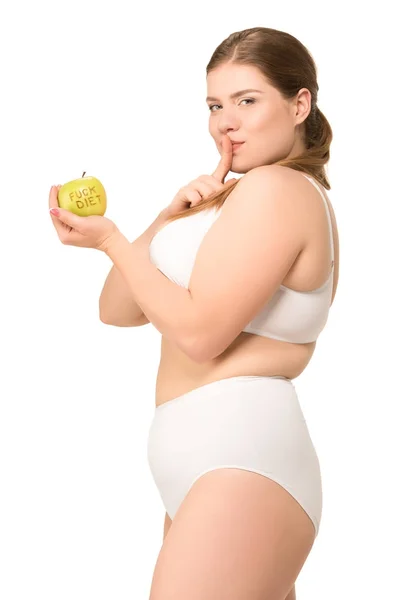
pixel 248 354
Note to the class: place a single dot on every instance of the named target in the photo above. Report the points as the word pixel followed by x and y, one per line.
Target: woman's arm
pixel 168 306
pixel 116 303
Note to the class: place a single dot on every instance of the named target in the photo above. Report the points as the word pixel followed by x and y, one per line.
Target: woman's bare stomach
pixel 249 354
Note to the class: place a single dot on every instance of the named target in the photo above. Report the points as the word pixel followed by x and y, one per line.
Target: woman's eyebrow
pixel 236 94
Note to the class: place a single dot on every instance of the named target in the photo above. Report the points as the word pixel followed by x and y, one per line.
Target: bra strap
pixel 327 212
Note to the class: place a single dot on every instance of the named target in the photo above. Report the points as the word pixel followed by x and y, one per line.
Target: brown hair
pixel 288 66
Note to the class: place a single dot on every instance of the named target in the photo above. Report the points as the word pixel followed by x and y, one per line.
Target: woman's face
pixel 268 124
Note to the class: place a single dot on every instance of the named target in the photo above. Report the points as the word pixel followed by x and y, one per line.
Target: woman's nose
pixel 227 125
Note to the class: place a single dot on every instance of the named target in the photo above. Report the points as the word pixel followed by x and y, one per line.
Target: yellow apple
pixel 85 196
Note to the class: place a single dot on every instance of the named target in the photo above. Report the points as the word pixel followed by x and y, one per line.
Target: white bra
pixel 290 315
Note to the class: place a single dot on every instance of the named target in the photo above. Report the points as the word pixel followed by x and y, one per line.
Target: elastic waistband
pixel 214 386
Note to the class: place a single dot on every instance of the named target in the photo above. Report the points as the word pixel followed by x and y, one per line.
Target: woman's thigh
pixel 167 525
pixel 236 535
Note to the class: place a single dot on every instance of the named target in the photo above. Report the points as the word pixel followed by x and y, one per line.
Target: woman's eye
pixel 251 100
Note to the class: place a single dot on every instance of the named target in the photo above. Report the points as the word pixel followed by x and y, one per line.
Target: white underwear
pixel 248 422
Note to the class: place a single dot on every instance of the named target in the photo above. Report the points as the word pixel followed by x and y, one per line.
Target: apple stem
pixel 83 173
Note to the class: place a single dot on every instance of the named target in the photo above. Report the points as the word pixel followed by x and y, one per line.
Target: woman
pixel 240 285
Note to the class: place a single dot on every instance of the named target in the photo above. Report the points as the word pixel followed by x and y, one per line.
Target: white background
pixel 119 92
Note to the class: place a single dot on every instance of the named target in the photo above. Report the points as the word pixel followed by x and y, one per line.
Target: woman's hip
pixel 253 416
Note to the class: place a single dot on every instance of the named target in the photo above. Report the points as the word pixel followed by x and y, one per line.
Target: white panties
pixel 248 422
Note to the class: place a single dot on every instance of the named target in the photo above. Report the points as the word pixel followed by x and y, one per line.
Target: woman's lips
pixel 237 146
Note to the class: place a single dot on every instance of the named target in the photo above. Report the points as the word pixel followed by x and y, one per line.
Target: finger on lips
pixel 225 163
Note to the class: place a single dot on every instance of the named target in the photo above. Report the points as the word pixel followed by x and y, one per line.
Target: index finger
pixel 53 202
pixel 225 164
